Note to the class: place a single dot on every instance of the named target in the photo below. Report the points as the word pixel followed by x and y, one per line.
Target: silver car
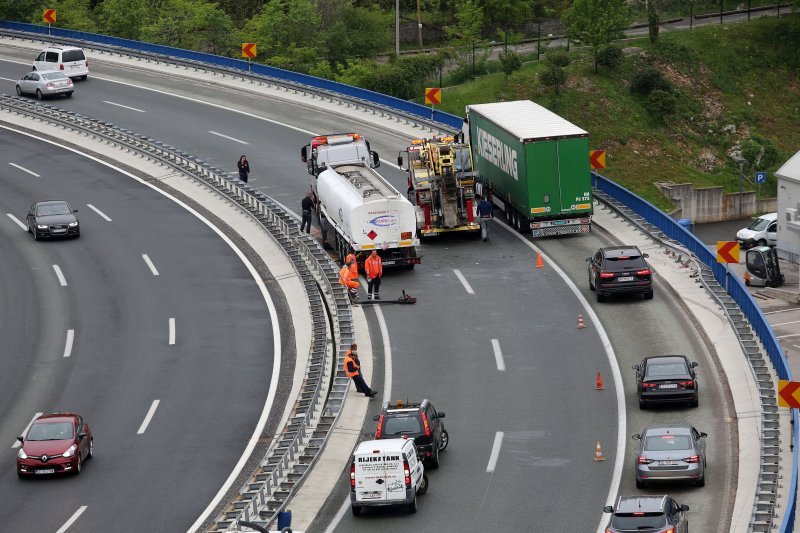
pixel 52 83
pixel 675 452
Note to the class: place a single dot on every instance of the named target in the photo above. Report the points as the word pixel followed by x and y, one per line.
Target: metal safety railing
pixel 320 402
pixel 750 326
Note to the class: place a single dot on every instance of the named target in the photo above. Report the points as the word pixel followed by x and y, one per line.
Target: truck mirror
pixel 441 414
pixel 399 160
pixel 376 162
pixel 608 509
pixel 304 154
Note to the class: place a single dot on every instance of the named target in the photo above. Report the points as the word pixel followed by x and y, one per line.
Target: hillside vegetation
pixel 728 87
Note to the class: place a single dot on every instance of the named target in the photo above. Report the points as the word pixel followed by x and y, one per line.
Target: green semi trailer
pixel 533 165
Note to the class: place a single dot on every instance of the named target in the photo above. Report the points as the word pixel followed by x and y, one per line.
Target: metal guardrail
pixel 743 314
pixel 306 432
pixel 413 113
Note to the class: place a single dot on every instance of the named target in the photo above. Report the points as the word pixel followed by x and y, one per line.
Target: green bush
pixel 558 58
pixel 510 61
pixel 661 104
pixel 610 56
pixel 553 76
pixel 648 80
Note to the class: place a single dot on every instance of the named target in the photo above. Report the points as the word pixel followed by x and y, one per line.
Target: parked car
pixel 56 443
pixel 763 231
pixel 68 59
pixel 54 218
pixel 666 378
pixel 42 84
pixel 671 452
pixel 653 514
pixel 419 421
pixel 620 270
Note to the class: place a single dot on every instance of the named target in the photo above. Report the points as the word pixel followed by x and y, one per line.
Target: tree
pixel 553 76
pixel 510 61
pixel 596 22
pixel 653 20
pixel 72 14
pixel 123 18
pixel 468 22
pixel 360 32
pixel 20 10
pixel 289 29
pixel 190 24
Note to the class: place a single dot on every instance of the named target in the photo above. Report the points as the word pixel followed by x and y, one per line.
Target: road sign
pixel 249 50
pixel 761 177
pixel 727 252
pixel 433 96
pixel 49 16
pixel 597 159
pixel 788 393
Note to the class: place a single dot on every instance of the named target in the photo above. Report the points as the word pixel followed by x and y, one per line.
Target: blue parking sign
pixel 761 177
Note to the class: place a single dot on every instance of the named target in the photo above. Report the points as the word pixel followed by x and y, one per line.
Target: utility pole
pixel 741 173
pixel 419 24
pixel 397 27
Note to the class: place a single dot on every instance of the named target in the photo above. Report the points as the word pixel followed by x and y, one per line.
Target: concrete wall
pixel 788 230
pixel 711 204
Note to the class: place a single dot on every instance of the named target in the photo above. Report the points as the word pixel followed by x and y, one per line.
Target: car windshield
pixel 759 224
pixel 53 75
pixel 401 425
pixel 632 522
pixel 53 209
pixel 667 443
pixel 624 263
pixel 668 369
pixel 73 55
pixel 51 431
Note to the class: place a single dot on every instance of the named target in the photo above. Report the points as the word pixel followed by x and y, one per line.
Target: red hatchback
pixel 57 443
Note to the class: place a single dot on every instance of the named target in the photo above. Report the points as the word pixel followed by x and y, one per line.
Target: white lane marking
pixel 786 323
pixel 622 428
pixel 31 172
pixel 463 281
pixel 498 442
pixel 71 521
pixel 790 335
pixel 93 208
pixel 17 221
pixel 148 417
pixel 61 279
pixel 171 331
pixel 17 443
pixel 150 264
pixel 783 311
pixel 228 137
pixel 70 340
pixel 498 355
pixel 124 106
pixel 12 79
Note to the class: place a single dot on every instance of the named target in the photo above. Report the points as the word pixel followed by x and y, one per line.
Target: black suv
pixel 654 514
pixel 618 270
pixel 666 378
pixel 418 420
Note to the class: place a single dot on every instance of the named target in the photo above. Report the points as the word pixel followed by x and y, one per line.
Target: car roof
pixel 51 202
pixel 401 406
pixel 666 359
pixel 620 251
pixel 383 446
pixel 671 429
pixel 642 504
pixel 61 48
pixel 55 417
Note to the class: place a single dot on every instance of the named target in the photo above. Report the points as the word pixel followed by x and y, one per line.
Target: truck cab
pixel 337 149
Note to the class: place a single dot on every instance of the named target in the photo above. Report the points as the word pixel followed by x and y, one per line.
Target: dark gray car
pixel 54 218
pixel 672 452
pixel 650 514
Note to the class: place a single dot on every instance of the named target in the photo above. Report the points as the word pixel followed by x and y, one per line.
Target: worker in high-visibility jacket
pixel 352 368
pixel 373 267
pixel 349 281
pixel 354 265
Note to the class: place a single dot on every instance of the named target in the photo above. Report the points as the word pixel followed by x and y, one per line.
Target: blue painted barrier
pixel 399 104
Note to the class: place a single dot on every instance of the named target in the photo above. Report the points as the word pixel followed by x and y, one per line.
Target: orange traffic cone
pixel 598 453
pixel 581 325
pixel 539 263
pixel 599 385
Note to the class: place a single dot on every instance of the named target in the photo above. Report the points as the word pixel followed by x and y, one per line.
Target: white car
pixel 68 59
pixel 763 231
pixel 44 84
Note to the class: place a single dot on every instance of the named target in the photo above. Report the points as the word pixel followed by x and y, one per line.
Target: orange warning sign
pixel 49 15
pixel 249 50
pixel 433 96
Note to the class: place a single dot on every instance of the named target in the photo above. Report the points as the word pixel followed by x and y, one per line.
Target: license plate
pixel 388 262
pixel 668 463
pixel 668 386
pixel 370 495
pixel 46 471
pixel 625 278
pixel 59 231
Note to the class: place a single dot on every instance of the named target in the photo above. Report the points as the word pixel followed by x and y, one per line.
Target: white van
pixel 763 231
pixel 386 473
pixel 68 59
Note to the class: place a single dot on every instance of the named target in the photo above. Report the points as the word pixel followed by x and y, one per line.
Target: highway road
pixel 544 402
pixel 155 352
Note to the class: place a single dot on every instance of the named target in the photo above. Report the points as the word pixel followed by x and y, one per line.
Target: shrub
pixel 510 61
pixel 553 76
pixel 610 56
pixel 648 80
pixel 661 104
pixel 558 58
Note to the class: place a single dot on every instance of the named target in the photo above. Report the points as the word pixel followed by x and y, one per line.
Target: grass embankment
pixel 731 82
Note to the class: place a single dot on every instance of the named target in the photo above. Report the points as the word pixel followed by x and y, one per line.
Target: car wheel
pixel 591 282
pixel 445 440
pixel 19 90
pixel 84 77
pixel 91 449
pixel 642 405
pixel 35 234
pixel 68 95
pixel 39 95
pixel 356 510
pixel 696 401
pixel 412 507
pixel 434 462
pixel 79 466
pixel 701 482
pixel 601 297
pixel 640 484
pixel 423 487
pixel 762 242
pixel 648 295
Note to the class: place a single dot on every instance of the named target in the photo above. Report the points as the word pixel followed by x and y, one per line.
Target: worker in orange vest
pixel 373 266
pixel 349 281
pixel 352 368
pixel 354 267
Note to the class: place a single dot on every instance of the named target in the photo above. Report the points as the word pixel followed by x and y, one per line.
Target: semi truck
pixel 442 184
pixel 359 210
pixel 533 165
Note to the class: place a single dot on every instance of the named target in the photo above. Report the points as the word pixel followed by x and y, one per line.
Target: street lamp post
pixel 741 175
pixel 720 11
pixel 397 27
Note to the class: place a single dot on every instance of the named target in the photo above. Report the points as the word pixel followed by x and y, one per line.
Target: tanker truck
pixel 533 165
pixel 360 210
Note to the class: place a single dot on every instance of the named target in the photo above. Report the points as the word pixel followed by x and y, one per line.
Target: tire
pixel 34 69
pixel 695 402
pixel 762 242
pixel 591 284
pixel 434 462
pixel 91 449
pixel 423 487
pixel 35 235
pixel 600 297
pixel 642 405
pixel 68 95
pixel 412 507
pixel 19 90
pixel 445 440
pixel 640 484
pixel 648 295
pixel 28 226
pixel 80 465
pixel 39 95
pixel 701 482
pixel 84 77
pixel 356 510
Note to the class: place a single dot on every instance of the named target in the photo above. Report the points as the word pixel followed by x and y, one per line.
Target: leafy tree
pixel 468 25
pixel 360 32
pixel 72 14
pixel 286 28
pixel 212 29
pixel 191 24
pixel 653 20
pixel 558 58
pixel 510 61
pixel 553 76
pixel 20 10
pixel 609 56
pixel 758 152
pixel 123 18
pixel 506 14
pixel 596 22
pixel 648 80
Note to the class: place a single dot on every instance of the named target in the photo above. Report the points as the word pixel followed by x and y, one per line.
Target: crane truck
pixel 361 210
pixel 442 184
pixel 532 164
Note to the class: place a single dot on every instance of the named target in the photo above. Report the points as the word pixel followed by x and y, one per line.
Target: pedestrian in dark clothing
pixel 307 206
pixel 352 367
pixel 485 213
pixel 244 168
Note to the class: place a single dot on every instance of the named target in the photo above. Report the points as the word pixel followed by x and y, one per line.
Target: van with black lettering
pixel 386 473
